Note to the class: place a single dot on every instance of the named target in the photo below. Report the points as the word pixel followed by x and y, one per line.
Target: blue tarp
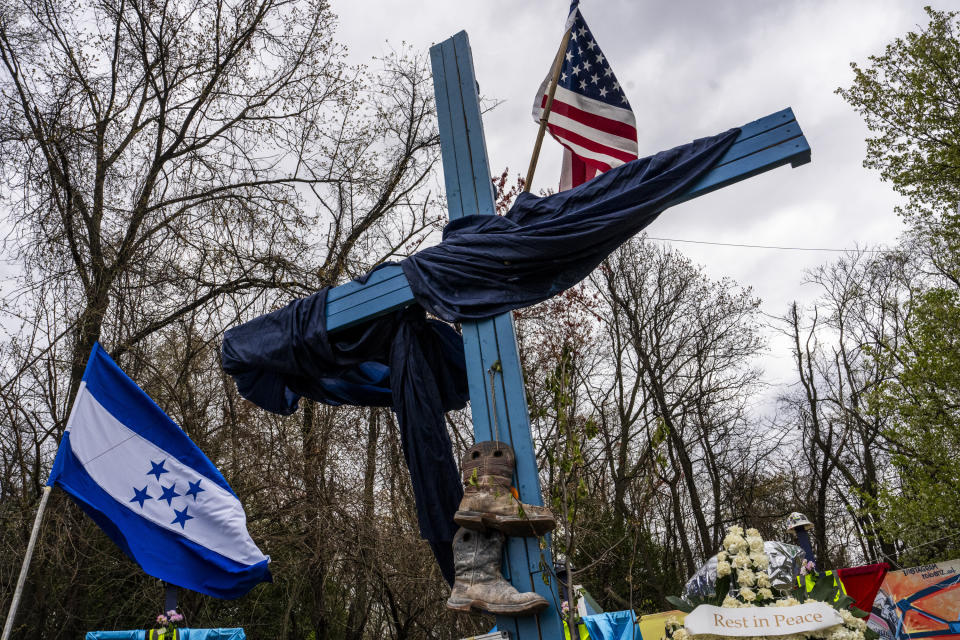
pixel 183 634
pixel 484 266
pixel 281 356
pixel 613 625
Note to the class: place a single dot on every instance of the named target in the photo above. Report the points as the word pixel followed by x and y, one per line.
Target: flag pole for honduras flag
pixel 151 489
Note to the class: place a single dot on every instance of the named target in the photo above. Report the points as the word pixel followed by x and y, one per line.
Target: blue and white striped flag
pixel 142 480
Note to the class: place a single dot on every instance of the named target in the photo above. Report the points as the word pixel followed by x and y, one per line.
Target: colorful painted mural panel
pixel 919 602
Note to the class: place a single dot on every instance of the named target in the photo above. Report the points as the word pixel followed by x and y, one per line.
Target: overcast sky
pixel 692 69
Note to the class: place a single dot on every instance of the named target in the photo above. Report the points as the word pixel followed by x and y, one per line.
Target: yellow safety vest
pixel 808 583
pixel 581 628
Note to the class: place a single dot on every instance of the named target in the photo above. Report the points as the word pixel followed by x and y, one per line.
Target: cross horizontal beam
pixel 764 144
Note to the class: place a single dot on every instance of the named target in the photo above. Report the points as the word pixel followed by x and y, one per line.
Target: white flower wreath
pixel 742 573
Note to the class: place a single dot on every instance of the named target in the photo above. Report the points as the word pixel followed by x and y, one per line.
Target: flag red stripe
pixel 592 145
pixel 607 125
pixel 596 164
pixel 599 165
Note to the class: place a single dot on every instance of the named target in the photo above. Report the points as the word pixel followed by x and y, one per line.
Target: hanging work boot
pixel 479 587
pixel 488 499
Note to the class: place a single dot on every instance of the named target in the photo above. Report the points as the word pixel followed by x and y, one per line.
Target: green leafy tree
pixel 922 506
pixel 910 99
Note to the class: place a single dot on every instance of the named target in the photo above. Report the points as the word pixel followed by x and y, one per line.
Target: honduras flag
pixel 141 479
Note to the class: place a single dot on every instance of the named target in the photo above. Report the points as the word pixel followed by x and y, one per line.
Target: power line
pixel 768 246
pixel 880 554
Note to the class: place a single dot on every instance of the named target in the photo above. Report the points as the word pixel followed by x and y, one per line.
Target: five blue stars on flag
pixel 585 70
pixel 140 496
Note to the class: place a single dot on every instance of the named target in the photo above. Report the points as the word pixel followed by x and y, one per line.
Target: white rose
pixel 733 543
pixel 760 560
pixel 747 594
pixel 723 569
pixel 851 620
pixel 765 594
pixel 763 580
pixel 837 633
pixel 746 578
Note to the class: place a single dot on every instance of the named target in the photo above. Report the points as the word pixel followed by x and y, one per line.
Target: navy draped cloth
pixel 401 360
pixel 485 265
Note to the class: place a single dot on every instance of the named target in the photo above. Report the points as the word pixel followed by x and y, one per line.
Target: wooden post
pixel 498 402
pixel 545 114
pixel 18 591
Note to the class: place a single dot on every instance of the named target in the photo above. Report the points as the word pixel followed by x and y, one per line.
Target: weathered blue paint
pixel 376 277
pixel 390 291
pixel 764 144
pixel 490 345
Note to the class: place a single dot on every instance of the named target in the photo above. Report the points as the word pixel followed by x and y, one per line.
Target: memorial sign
pixel 761 621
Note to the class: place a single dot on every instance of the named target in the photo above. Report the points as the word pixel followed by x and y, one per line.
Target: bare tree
pixel 692 343
pixel 170 168
pixel 844 349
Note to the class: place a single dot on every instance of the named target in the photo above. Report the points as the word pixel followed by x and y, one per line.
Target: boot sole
pixel 479 606
pixel 508 525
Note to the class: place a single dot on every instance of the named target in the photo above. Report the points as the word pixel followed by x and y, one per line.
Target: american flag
pixel 590 115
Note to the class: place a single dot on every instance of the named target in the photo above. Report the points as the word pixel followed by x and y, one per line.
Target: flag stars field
pixel 114 425
pixel 590 115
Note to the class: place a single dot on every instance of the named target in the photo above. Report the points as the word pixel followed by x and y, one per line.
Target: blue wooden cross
pixel 490 344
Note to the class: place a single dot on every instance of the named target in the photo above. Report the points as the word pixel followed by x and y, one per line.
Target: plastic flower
pixel 162 619
pixel 732 542
pixel 565 607
pixel 760 560
pixel 851 620
pixel 740 561
pixel 731 603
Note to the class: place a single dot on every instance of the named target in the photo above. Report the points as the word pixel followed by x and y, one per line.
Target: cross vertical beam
pixel 497 397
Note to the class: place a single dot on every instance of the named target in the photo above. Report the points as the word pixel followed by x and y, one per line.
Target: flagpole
pixel 8 625
pixel 545 114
